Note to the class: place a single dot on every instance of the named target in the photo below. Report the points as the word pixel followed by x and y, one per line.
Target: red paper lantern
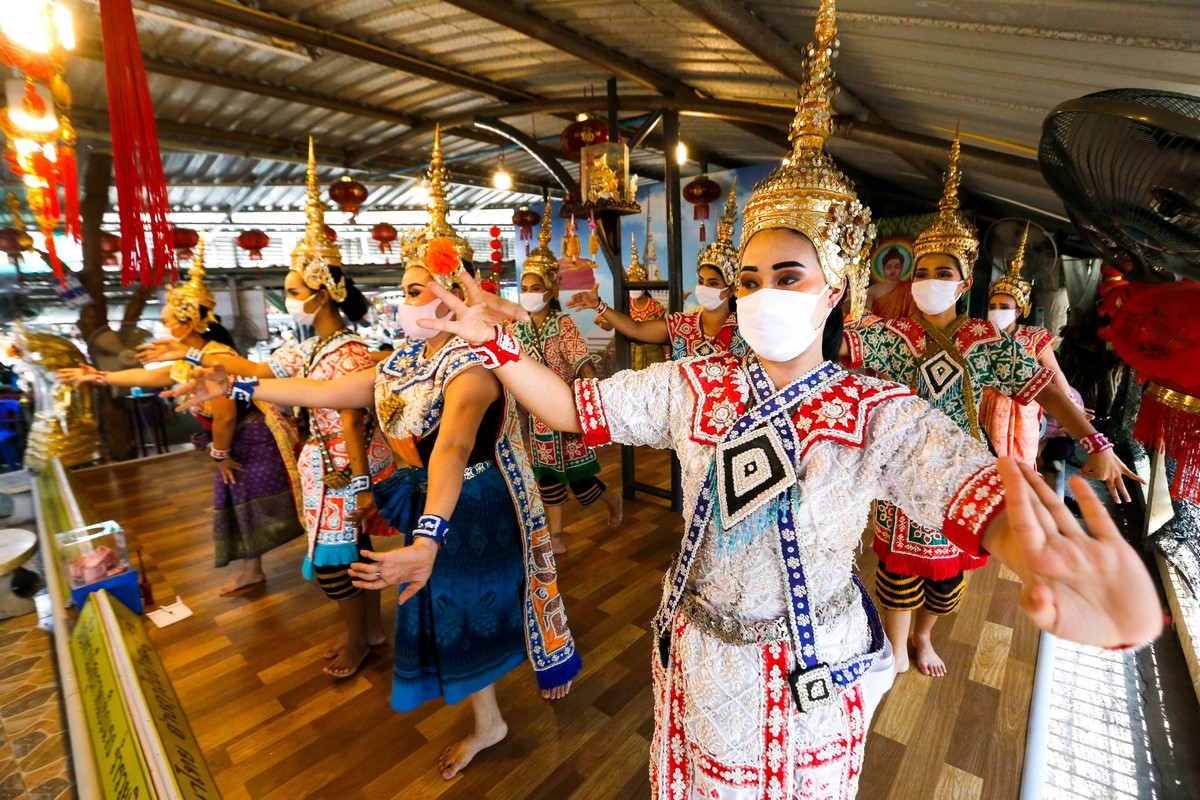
pixel 331 233
pixel 349 194
pixel 385 234
pixel 253 242
pixel 701 191
pixel 110 246
pixel 580 134
pixel 489 285
pixel 494 231
pixel 525 220
pixel 185 240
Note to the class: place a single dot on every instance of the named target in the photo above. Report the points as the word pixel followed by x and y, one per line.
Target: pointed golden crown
pixel 314 254
pixel 721 253
pixel 808 193
pixel 950 233
pixel 439 227
pixel 1011 282
pixel 541 261
pixel 192 302
pixel 636 272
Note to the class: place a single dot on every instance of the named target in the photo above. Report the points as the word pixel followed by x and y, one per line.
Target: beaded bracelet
pixel 242 389
pixel 1096 443
pixel 101 378
pixel 218 454
pixel 502 349
pixel 194 357
pixel 601 308
pixel 431 526
pixel 358 484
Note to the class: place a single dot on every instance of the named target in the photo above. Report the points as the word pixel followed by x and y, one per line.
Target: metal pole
pixel 670 127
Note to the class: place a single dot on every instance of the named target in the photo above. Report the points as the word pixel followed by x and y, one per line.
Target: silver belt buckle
pixel 813 687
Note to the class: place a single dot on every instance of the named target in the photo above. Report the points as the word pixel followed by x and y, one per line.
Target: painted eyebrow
pixel 780 265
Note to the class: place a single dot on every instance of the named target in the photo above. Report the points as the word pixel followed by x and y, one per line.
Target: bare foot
pixel 616 508
pixel 928 661
pixel 459 754
pixel 557 544
pixel 901 660
pixel 241 582
pixel 349 658
pixel 557 693
pixel 372 641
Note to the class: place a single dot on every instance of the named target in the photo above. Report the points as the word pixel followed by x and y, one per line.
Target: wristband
pixel 1096 443
pixel 242 389
pixel 218 454
pixel 431 526
pixel 502 349
pixel 359 483
pixel 194 357
pixel 601 308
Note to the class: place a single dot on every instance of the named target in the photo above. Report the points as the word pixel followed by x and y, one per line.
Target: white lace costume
pixel 726 724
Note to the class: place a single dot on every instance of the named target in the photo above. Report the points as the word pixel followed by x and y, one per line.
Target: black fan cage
pixel 1126 163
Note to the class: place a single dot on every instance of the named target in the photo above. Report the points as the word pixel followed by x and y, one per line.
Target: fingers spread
pixel 1023 522
pixel 1095 514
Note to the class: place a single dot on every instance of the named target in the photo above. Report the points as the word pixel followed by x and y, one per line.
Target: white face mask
pixel 296 309
pixel 709 297
pixel 933 296
pixel 407 315
pixel 1002 317
pixel 534 302
pixel 778 324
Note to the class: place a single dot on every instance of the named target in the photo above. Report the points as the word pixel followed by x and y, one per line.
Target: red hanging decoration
pixel 253 242
pixel 185 240
pixel 331 233
pixel 14 243
pixel 1156 332
pixel 385 234
pixel 701 191
pixel 349 194
pixel 580 134
pixel 497 255
pixel 141 188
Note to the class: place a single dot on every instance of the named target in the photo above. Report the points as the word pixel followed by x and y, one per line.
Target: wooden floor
pixel 273 726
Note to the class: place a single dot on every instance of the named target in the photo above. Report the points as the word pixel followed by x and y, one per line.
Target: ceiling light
pixel 501 179
pixel 681 154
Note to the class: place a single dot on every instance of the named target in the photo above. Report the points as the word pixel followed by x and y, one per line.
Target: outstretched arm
pixel 1104 465
pixel 171 350
pixel 352 391
pixel 159 378
pixel 651 332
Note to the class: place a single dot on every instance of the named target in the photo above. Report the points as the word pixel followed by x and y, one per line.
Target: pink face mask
pixel 408 314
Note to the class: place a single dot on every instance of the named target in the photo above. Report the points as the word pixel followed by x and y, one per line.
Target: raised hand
pixel 411 565
pixel 207 383
pixel 585 300
pixel 1106 466
pixel 477 321
pixel 161 350
pixel 84 373
pixel 1091 589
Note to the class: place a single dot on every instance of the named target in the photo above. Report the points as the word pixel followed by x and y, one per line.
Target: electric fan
pixel 1126 163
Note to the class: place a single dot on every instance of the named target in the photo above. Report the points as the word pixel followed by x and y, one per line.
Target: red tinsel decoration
pixel 141 188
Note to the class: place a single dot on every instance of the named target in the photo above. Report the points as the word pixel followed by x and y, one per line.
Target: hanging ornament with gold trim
pixel 570 246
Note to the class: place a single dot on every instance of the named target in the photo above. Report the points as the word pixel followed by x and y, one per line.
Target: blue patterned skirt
pixel 464 630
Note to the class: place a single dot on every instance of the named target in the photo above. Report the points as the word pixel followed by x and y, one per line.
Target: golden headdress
pixel 1011 282
pixel 808 193
pixel 950 233
pixel 434 247
pixel 316 252
pixel 541 261
pixel 721 253
pixel 187 299
pixel 636 272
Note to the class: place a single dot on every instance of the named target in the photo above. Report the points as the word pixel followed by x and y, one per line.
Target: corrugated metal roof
pixel 913 65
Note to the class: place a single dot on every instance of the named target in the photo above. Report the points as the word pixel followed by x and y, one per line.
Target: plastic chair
pixel 11 419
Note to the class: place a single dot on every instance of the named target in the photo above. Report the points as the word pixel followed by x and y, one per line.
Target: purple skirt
pixel 257 513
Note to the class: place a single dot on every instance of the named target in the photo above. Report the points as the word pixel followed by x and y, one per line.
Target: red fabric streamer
pixel 1176 434
pixel 137 166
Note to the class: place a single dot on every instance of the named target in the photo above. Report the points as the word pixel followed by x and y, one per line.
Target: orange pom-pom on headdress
pixel 441 257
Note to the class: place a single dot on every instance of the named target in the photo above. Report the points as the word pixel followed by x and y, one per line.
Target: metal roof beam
pixel 266 23
pixel 535 26
pixel 542 155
